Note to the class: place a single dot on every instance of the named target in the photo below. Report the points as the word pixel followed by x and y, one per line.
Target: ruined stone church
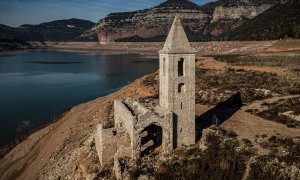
pixel 139 130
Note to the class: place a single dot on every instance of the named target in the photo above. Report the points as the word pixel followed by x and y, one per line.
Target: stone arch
pixel 165 131
pixel 181 88
pixel 143 124
pixel 176 81
pixel 151 138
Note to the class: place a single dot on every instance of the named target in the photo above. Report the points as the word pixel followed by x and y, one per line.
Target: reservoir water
pixel 36 86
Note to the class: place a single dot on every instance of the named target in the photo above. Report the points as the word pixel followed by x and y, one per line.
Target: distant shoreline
pixel 84 47
pixel 151 48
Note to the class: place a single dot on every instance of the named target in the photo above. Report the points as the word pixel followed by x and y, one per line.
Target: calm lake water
pixel 35 86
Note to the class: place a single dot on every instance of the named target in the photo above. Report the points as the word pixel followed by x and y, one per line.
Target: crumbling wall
pixel 124 140
pixel 110 141
pixel 123 117
pixel 138 109
pixel 165 121
pixel 106 143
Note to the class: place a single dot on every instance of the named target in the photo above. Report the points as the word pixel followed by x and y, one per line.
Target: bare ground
pixel 201 48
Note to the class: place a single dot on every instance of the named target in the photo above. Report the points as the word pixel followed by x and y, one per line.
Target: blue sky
pixel 17 12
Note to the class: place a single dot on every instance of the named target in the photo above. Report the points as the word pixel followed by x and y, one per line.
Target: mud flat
pixel 202 48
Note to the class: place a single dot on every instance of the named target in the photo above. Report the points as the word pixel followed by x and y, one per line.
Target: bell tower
pixel 177 83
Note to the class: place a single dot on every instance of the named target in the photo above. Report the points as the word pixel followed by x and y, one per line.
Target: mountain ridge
pixel 219 20
pixel 201 23
pixel 59 30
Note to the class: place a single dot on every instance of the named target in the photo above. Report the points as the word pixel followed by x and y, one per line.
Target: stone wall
pixel 125 139
pixel 182 104
pixel 111 141
pixel 123 117
pixel 160 117
pixel 106 143
pixel 143 118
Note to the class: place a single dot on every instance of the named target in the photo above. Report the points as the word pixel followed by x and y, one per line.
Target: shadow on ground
pixel 219 114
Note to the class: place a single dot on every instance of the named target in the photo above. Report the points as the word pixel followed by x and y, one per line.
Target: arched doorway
pixel 151 138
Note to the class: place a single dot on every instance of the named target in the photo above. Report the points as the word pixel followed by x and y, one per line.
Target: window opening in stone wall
pixel 180 67
pixel 151 138
pixel 181 106
pixel 181 87
pixel 164 67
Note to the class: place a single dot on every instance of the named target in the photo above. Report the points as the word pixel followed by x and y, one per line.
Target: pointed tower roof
pixel 177 41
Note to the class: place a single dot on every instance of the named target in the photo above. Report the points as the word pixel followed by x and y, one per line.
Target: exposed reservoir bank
pixel 36 86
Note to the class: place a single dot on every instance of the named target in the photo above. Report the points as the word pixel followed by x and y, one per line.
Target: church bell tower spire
pixel 177 83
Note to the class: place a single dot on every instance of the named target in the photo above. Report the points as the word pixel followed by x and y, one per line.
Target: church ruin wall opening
pixel 164 66
pixel 181 87
pixel 151 139
pixel 180 67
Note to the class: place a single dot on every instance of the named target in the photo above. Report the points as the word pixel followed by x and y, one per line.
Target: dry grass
pixel 272 111
pixel 285 45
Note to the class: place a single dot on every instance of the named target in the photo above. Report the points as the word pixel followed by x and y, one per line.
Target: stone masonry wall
pixel 182 104
pixel 106 143
pixel 123 117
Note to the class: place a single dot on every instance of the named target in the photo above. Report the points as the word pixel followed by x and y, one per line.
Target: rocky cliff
pixel 149 23
pixel 200 22
pixel 280 21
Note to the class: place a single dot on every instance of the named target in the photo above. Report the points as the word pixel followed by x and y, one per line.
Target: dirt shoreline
pixel 151 48
pixel 5 149
pixel 86 51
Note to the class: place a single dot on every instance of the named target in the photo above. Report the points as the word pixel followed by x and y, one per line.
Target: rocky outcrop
pixel 280 21
pixel 149 23
pixel 200 22
pixel 238 12
pixel 225 19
